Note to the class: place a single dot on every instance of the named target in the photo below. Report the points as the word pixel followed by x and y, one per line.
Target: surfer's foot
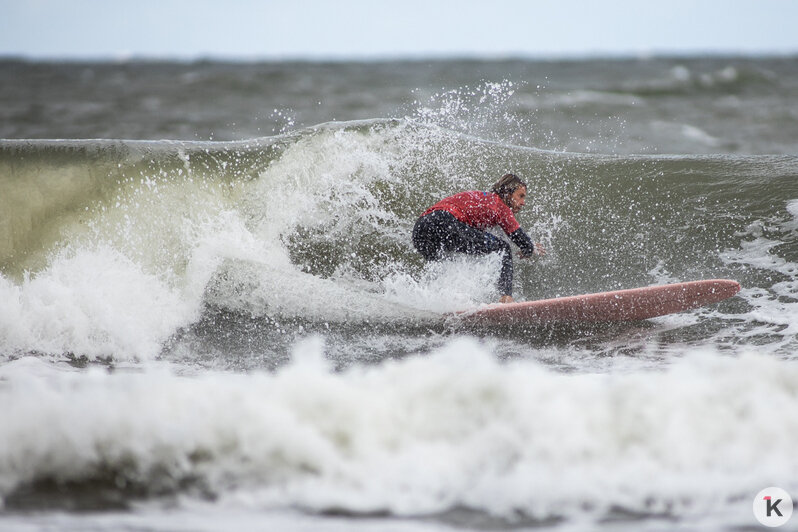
pixel 506 299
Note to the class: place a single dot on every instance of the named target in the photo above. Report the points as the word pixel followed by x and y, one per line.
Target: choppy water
pixel 230 328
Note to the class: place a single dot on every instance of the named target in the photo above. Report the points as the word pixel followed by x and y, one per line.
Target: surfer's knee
pixel 424 240
pixel 494 244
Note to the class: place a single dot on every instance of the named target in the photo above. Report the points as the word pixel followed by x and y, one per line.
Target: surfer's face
pixel 517 199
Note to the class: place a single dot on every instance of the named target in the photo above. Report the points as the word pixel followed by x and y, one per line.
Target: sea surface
pixel 212 316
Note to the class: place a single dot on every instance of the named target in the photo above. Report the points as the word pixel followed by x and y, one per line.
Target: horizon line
pixel 395 57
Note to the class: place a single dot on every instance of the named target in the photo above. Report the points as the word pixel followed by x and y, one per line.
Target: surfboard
pixel 620 305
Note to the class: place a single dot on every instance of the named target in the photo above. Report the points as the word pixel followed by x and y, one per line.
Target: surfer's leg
pixel 476 242
pixel 506 275
pixel 492 244
pixel 429 234
pixel 463 238
pixel 439 232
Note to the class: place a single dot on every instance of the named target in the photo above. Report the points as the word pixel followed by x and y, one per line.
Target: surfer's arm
pixel 528 248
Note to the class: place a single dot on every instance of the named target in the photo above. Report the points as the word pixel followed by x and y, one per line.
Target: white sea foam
pixel 199 517
pixel 588 97
pixel 454 428
pixel 775 307
pixel 447 286
pixel 93 303
pixel 687 131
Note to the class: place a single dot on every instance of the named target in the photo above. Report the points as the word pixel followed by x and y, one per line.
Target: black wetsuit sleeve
pixel 522 240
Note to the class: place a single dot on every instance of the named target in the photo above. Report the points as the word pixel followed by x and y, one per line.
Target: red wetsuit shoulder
pixel 478 209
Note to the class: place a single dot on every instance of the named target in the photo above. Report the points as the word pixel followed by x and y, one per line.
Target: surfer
pixel 458 224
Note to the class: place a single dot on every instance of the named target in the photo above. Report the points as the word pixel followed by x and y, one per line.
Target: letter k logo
pixel 772 506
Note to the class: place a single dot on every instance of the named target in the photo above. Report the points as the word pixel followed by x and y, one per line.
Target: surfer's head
pixel 511 190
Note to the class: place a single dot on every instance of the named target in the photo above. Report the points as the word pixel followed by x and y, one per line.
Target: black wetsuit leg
pixel 439 233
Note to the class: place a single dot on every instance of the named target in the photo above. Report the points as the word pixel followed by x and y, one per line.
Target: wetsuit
pixel 458 223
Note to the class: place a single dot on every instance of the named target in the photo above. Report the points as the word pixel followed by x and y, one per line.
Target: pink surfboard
pixel 619 305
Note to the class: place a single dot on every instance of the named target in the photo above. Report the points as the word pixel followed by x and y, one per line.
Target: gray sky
pixel 248 29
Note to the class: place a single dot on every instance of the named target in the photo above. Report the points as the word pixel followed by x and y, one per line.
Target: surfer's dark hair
pixel 505 186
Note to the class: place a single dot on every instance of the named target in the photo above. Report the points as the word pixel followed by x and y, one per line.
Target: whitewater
pixel 230 328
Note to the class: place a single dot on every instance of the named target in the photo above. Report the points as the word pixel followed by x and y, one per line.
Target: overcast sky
pixel 316 29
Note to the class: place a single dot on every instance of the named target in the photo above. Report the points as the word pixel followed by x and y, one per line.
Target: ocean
pixel 212 316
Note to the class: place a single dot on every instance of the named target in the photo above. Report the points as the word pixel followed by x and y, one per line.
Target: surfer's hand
pixel 539 250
